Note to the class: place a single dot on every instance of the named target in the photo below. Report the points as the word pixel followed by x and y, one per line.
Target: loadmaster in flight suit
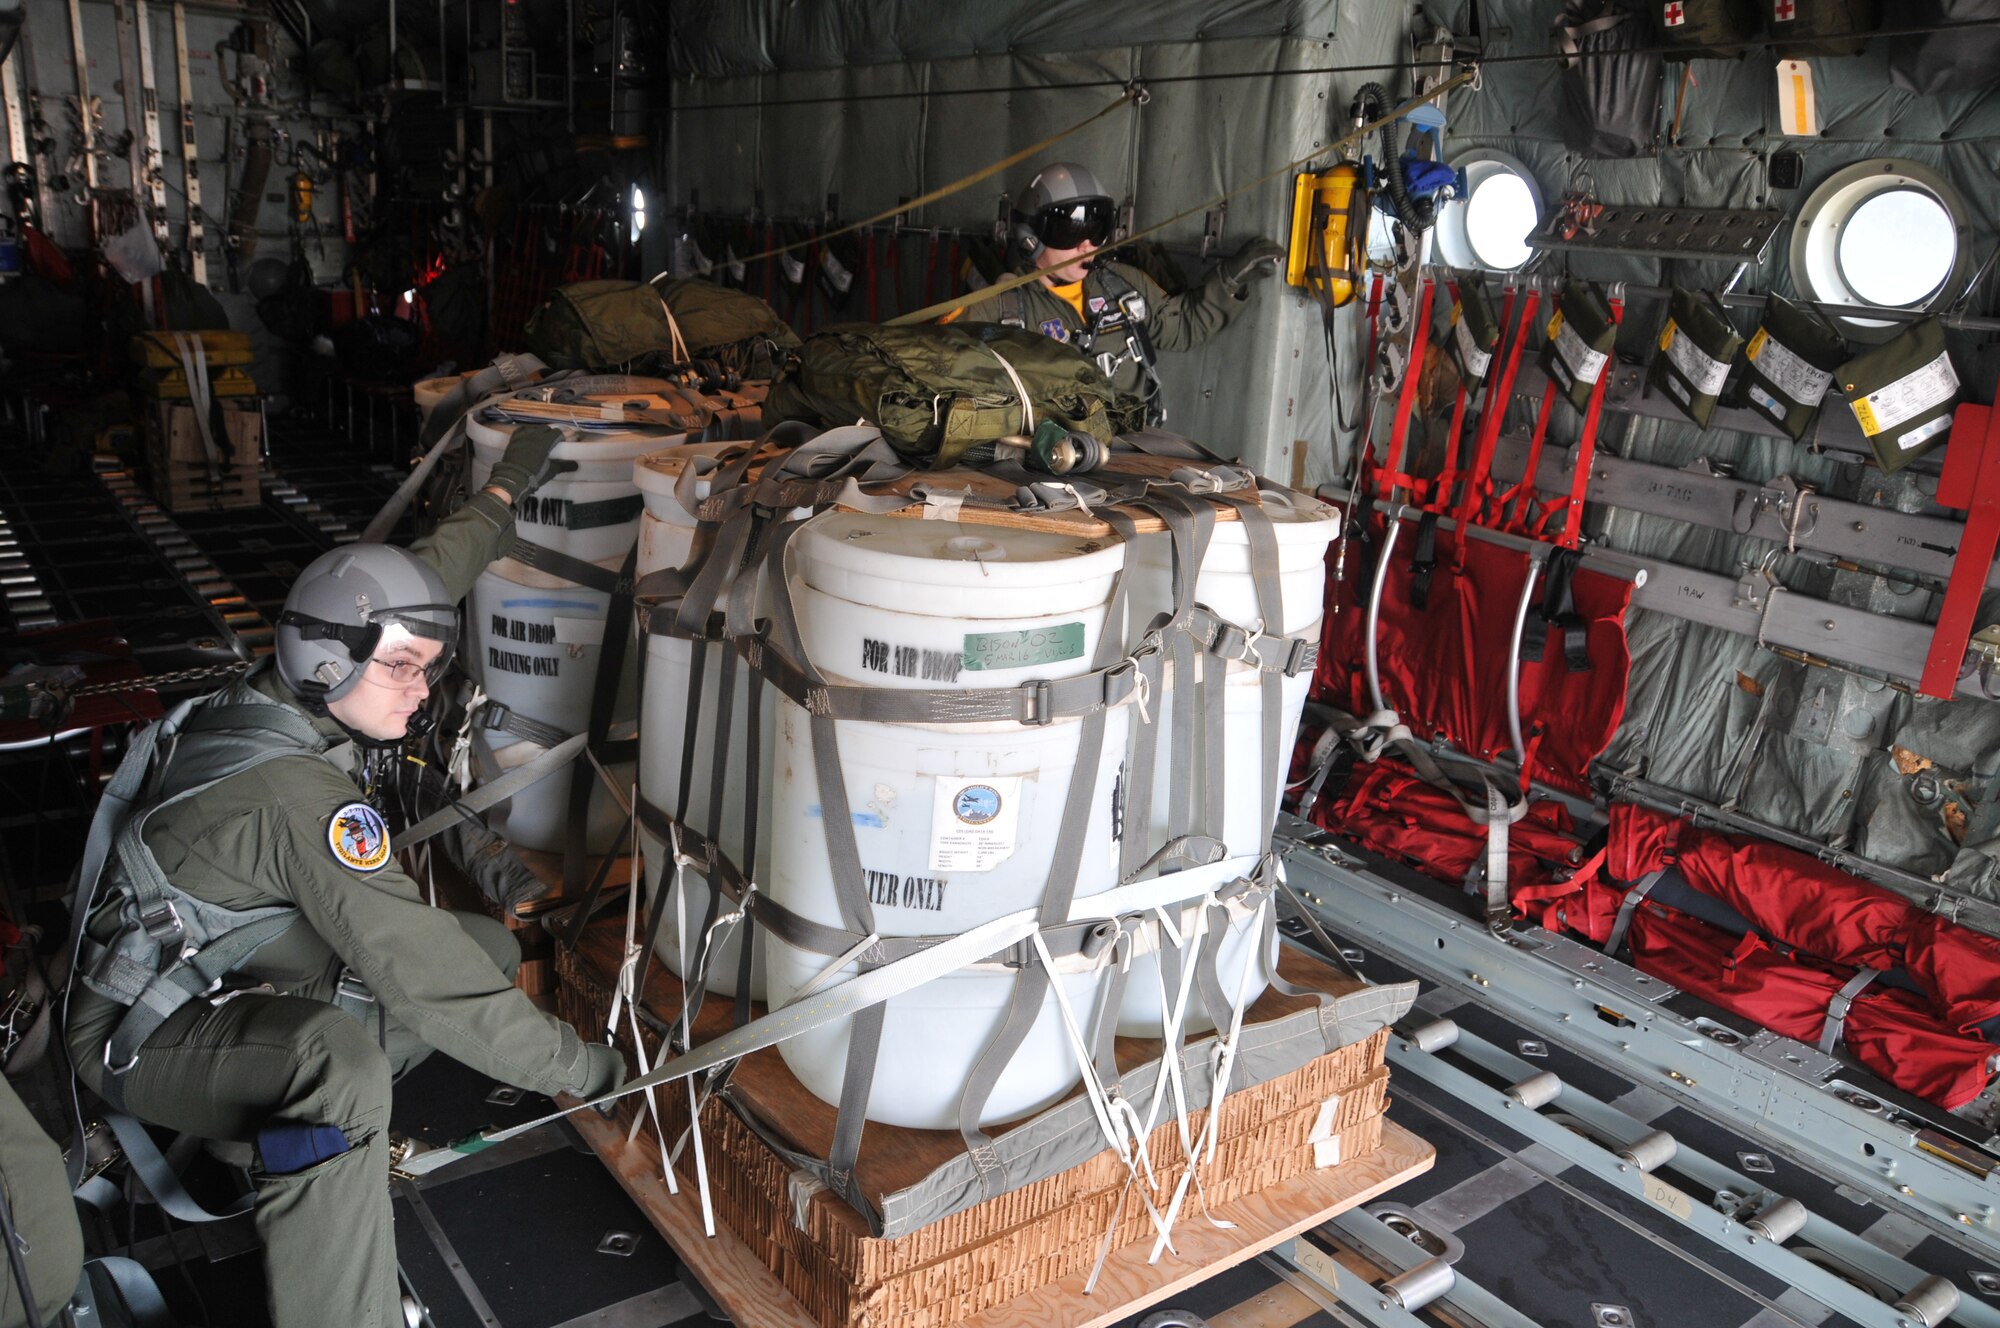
pixel 258 967
pixel 1111 311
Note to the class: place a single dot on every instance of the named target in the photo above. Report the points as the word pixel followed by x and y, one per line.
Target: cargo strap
pixel 496 717
pixel 1834 1030
pixel 866 989
pixel 494 791
pixel 194 365
pixel 446 429
pixel 1423 561
pixel 1496 809
pixel 1558 609
pixel 603 700
pixel 1629 905
pixel 569 568
pixel 1478 478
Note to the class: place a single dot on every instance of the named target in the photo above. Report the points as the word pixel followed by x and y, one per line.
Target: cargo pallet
pixel 750 1293
pixel 742 1282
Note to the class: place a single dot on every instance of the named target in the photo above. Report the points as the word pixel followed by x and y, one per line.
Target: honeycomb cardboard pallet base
pixel 1290 1151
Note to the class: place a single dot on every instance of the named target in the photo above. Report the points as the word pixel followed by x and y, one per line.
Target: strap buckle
pixel 118 1069
pixel 1229 640
pixel 351 987
pixel 1041 702
pixel 163 924
pixel 495 715
pixel 1302 657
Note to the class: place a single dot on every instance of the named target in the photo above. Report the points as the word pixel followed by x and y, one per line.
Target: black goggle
pixel 1067 225
pixel 361 639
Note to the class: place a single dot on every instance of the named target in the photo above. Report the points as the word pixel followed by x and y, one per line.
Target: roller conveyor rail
pixel 1929 1171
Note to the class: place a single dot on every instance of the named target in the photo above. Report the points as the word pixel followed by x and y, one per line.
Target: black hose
pixel 1371 101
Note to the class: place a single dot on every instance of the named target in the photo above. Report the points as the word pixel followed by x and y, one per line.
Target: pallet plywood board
pixel 752 1294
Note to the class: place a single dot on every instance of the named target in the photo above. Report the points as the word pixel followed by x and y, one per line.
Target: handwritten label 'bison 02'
pixel 1024 649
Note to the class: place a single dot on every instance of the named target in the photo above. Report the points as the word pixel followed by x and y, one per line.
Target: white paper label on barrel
pixel 974 823
pixel 579 631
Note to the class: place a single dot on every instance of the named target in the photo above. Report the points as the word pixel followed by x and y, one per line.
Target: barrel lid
pixel 592 441
pixel 843 553
pixel 1296 519
pixel 658 472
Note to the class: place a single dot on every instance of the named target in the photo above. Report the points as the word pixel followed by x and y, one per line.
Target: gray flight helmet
pixel 341 605
pixel 1064 193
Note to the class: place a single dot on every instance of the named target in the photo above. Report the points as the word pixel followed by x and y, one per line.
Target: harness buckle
pixel 1133 305
pixel 163 924
pixel 495 715
pixel 351 987
pixel 1229 640
pixel 1303 657
pixel 1041 702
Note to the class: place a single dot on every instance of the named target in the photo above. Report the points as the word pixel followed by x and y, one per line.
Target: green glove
pixel 606 1072
pixel 1253 262
pixel 527 455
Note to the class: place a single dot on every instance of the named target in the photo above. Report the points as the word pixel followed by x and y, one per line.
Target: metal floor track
pixel 1612 1153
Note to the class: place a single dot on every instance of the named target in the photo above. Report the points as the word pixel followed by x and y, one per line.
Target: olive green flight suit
pixel 437 979
pixel 37 1193
pixel 1172 323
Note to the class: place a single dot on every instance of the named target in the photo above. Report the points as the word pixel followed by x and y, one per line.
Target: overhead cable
pixel 1163 80
pixel 930 312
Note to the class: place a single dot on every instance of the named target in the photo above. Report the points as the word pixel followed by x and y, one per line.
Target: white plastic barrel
pixel 534 642
pixel 955 824
pixel 1304 528
pixel 535 637
pixel 666 538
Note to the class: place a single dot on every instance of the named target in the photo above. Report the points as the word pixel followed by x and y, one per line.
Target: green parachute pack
pixel 629 326
pixel 935 392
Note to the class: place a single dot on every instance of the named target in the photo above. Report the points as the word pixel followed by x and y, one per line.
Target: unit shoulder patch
pixel 359 838
pixel 1053 329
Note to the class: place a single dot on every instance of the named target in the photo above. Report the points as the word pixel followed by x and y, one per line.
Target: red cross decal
pixel 1784 11
pixel 1675 14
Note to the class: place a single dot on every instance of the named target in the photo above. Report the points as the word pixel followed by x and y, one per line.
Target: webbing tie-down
pixel 1834 1030
pixel 867 988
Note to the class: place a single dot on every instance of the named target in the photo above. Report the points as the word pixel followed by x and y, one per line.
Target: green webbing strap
pixel 467 806
pixel 150 1166
pixel 556 563
pixel 497 718
pixel 1834 1030
pixel 753 776
pixel 1038 702
pixel 850 892
pixel 839 1001
pixel 1630 905
pixel 167 991
pixel 1031 984
pixel 603 700
pixel 609 512
pixel 136 1293
pixel 1269 590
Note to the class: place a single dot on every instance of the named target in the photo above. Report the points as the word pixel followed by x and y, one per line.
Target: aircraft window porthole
pixel 1499 217
pixel 1887 233
pixel 1490 226
pixel 1895 249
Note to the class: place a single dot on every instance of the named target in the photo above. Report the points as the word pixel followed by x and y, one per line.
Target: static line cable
pixel 1135 94
pixel 1163 80
pixel 1001 287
